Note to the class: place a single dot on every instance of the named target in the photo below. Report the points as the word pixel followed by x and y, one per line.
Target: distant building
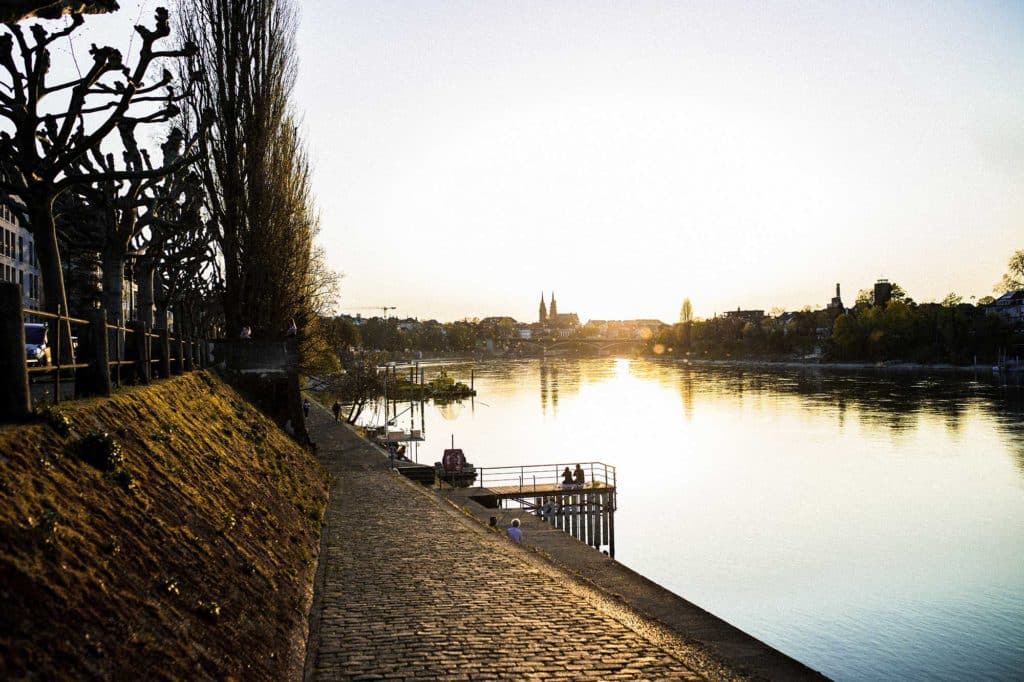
pixel 883 293
pixel 1010 306
pixel 551 321
pixel 745 315
pixel 18 256
pixel 837 302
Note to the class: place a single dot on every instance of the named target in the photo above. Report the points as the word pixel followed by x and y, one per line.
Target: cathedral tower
pixel 554 307
pixel 543 310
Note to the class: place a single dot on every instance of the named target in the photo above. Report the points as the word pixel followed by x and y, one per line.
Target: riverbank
pixel 888 366
pixel 894 367
pixel 170 531
pixel 416 588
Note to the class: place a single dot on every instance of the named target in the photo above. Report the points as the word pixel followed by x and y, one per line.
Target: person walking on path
pixel 336 409
pixel 515 533
pixel 305 408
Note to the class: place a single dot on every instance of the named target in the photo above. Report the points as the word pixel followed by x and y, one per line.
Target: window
pixel 21 249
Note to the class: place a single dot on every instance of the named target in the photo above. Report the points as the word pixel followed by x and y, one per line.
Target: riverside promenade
pixel 411 587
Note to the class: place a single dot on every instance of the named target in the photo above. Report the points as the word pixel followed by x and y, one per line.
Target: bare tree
pixel 42 149
pixel 17 10
pixel 122 210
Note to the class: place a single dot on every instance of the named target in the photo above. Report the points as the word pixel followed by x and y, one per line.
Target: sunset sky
pixel 470 155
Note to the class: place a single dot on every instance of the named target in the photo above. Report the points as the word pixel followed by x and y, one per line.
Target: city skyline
pixel 628 157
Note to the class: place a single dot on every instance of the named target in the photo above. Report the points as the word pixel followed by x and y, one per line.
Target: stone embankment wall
pixel 180 545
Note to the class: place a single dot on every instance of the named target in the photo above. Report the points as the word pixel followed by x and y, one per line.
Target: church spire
pixel 554 307
pixel 543 310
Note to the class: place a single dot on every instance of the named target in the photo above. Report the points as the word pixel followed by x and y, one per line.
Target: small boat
pixel 454 470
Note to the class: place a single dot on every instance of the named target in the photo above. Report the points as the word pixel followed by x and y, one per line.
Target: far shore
pixel 893 366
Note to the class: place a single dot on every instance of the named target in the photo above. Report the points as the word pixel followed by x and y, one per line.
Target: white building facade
pixel 18 259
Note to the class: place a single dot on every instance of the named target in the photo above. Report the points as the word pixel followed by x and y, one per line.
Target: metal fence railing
pixel 529 478
pixel 80 356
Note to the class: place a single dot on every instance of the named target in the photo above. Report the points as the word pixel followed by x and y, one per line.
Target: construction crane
pixel 383 308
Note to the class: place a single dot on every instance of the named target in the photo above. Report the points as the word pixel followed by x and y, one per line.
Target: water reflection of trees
pixel 893 400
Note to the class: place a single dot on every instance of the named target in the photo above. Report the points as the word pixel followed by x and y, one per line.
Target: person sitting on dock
pixel 567 476
pixel 514 532
pixel 578 477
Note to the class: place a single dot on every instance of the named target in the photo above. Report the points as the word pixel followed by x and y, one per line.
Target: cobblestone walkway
pixel 413 589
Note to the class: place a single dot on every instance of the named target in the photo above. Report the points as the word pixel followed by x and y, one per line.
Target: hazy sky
pixel 625 155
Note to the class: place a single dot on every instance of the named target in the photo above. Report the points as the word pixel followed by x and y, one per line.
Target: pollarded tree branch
pixel 19 10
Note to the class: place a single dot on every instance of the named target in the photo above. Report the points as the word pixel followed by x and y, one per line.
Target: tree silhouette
pixel 45 152
pixel 17 10
pixel 1014 277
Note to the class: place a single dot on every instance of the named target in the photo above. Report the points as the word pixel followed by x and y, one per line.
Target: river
pixel 869 525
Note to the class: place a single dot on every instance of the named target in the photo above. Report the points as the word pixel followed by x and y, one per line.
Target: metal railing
pixel 56 365
pixel 527 477
pixel 92 361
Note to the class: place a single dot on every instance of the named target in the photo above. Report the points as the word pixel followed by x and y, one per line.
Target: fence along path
pixel 107 355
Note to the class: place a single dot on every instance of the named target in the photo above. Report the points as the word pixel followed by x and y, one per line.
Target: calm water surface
pixel 870 526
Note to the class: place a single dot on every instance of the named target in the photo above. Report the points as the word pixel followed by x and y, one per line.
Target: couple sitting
pixel 573 479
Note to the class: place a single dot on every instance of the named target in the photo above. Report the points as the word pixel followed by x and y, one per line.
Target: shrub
pixel 100 451
pixel 57 420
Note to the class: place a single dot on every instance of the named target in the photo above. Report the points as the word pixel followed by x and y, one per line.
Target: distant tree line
pixel 900 330
pixel 380 334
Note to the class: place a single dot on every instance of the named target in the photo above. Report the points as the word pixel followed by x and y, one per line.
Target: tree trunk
pixel 161 318
pixel 113 285
pixel 44 230
pixel 145 272
pixel 112 265
pixel 232 289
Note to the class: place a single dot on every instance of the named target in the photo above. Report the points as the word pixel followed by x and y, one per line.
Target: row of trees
pixel 183 170
pixel 928 333
pixel 949 332
pixel 376 333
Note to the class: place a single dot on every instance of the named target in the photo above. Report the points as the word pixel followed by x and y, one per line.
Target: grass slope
pixel 191 558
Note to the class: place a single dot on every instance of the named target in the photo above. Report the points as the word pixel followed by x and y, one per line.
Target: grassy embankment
pixel 183 546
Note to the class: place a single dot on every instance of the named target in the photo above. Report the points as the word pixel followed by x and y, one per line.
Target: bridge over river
pixel 569 346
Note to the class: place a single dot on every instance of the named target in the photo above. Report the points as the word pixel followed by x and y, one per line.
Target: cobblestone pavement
pixel 414 589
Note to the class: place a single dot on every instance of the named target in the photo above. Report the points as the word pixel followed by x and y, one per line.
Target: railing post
pixel 179 356
pixel 140 351
pixel 15 401
pixel 163 343
pixel 99 371
pixel 60 348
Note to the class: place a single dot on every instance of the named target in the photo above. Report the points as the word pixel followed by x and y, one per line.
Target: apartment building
pixel 18 258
